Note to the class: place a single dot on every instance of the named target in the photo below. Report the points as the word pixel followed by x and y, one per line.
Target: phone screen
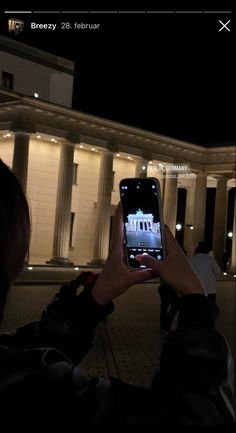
pixel 143 225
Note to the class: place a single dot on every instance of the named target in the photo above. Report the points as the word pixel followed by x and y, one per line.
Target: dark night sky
pixel 171 74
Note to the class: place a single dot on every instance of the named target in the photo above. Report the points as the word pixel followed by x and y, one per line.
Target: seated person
pixel 42 387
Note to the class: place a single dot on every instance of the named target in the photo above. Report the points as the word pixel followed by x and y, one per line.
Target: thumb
pixel 141 276
pixel 151 262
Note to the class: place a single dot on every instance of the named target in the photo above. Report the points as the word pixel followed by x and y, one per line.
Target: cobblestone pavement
pixel 129 342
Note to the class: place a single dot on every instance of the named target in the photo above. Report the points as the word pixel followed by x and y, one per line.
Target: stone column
pixel 20 157
pixel 195 214
pixel 199 208
pixel 103 211
pixel 170 201
pixel 233 249
pixel 189 221
pixel 220 215
pixel 160 174
pixel 161 179
pixel 63 207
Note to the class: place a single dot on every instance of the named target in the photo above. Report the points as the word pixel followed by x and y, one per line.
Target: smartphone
pixel 142 216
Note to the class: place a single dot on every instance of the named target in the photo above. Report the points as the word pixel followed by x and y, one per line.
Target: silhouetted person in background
pixel 206 268
pixel 225 260
pixel 42 387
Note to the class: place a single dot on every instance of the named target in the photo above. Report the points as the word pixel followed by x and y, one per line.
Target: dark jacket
pixel 42 388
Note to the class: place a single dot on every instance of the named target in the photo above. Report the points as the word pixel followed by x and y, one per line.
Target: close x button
pixel 224 26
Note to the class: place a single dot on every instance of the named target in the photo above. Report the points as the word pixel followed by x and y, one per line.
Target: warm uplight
pixel 30 268
pixel 93 149
pixel 118 154
pixel 53 140
pixel 150 162
pixel 178 226
pixel 76 268
pixel 230 234
pixel 38 136
pixel 191 227
pixel 7 135
pixel 81 146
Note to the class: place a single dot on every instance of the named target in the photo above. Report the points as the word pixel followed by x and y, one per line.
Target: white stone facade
pixel 35 71
pixel 42 179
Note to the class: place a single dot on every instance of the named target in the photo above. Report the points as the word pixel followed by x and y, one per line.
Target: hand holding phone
pixel 116 277
pixel 142 216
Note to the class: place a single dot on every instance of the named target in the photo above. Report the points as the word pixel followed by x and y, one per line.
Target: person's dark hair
pixel 14 230
pixel 202 248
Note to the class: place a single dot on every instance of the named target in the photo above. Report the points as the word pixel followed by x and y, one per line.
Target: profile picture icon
pixel 15 26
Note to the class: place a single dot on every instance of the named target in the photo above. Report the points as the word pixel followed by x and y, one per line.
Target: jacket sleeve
pixel 194 385
pixel 68 325
pixel 195 381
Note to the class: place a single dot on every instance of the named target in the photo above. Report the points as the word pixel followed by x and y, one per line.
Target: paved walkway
pixel 128 345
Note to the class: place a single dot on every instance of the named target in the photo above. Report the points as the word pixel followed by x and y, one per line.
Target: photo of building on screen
pixel 141 230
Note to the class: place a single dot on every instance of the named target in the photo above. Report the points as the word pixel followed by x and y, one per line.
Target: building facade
pixel 70 165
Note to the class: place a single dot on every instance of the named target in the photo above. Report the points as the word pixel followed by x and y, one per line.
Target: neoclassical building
pixel 70 163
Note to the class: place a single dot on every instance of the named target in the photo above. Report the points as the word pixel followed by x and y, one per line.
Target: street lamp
pixel 178 226
pixel 230 234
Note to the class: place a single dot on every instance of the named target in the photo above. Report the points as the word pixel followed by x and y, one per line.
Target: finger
pixel 125 255
pixel 170 241
pixel 117 231
pixel 141 275
pixel 151 262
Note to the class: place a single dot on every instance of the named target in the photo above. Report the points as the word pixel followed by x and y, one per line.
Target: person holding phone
pixel 42 387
